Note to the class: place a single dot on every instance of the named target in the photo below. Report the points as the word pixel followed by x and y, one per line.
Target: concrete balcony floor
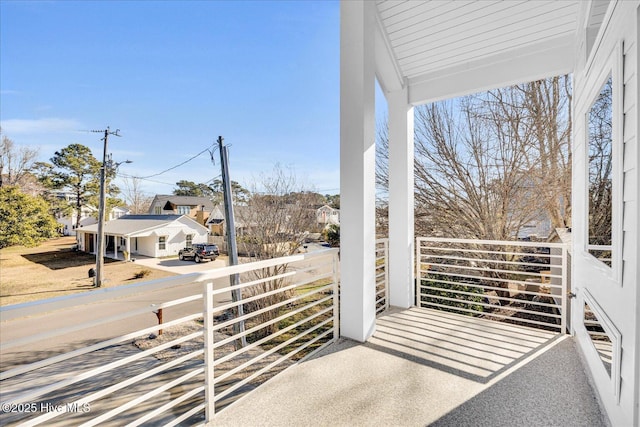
pixel 425 367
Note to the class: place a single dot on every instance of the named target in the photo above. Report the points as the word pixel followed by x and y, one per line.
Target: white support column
pixel 401 228
pixel 357 169
pixel 128 248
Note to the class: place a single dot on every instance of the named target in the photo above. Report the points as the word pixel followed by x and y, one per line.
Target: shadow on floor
pixel 475 349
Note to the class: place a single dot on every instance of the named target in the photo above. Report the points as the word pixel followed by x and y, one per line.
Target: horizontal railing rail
pixel 202 357
pixel 382 275
pixel 511 281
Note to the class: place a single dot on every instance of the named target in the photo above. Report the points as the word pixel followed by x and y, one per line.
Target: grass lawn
pixel 54 268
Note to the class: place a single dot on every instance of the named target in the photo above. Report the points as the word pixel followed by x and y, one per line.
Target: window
pixel 600 184
pixel 189 240
pixel 157 210
pixel 599 338
pixel 603 168
pixel 184 210
pixel 162 243
pixel 605 339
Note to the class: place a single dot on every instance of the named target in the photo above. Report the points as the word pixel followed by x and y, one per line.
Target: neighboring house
pixel 326 215
pixel 536 228
pixel 89 216
pixel 197 208
pixel 149 235
pixel 117 212
pixel 216 220
pixel 67 222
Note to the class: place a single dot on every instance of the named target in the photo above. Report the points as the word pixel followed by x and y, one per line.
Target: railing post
pixel 417 273
pixel 563 318
pixel 336 298
pixel 209 392
pixel 386 273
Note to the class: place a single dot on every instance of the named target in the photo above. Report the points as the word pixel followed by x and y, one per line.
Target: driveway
pixel 174 265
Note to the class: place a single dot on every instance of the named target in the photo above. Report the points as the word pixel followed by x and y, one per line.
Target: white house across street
pixel 148 235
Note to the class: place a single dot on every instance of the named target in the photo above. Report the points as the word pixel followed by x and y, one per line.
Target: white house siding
pixel 176 237
pixel 615 292
pixel 145 241
pixel 68 223
pixel 146 246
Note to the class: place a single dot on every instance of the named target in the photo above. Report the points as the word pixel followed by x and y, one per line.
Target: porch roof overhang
pixel 421 52
pixel 443 49
pixel 144 225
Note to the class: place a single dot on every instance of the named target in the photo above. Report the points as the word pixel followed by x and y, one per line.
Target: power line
pixel 124 175
pixel 176 166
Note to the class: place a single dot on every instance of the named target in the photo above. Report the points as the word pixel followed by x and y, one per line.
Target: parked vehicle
pixel 199 252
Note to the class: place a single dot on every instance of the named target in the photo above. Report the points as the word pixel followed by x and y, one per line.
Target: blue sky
pixel 172 76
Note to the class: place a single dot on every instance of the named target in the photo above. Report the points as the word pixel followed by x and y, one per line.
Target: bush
pixel 332 235
pixel 457 295
pixel 141 274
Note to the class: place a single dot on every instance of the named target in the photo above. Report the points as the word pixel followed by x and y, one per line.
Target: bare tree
pixel 486 165
pixel 278 215
pixel 600 200
pixel 137 200
pixel 16 164
pixel 538 116
pixel 276 220
pixel 382 179
pixel 470 182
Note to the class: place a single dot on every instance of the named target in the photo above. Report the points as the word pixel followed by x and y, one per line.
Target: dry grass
pixel 54 269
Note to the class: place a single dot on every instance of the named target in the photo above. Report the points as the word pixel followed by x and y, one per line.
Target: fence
pixel 517 282
pixel 216 343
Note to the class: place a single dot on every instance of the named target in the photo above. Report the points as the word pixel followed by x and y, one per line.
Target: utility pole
pixel 98 280
pixel 232 247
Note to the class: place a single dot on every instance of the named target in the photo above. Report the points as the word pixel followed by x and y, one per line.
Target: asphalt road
pixel 57 320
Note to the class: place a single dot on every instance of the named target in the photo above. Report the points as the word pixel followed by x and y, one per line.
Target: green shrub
pixel 448 294
pixel 332 235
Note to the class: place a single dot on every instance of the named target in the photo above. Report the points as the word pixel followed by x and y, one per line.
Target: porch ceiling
pixel 443 48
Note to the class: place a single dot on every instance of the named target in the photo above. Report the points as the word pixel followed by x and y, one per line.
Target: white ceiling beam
pixel 533 62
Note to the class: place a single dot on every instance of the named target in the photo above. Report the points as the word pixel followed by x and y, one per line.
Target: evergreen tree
pixel 24 219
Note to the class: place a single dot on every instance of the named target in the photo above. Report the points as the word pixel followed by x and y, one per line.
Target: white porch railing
pixel 382 275
pixel 517 282
pixel 197 365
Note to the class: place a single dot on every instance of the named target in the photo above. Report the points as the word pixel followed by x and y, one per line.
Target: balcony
pixel 426 367
pixel 136 354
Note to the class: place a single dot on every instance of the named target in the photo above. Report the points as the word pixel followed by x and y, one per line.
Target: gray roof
pixel 130 225
pixel 162 200
pixel 217 214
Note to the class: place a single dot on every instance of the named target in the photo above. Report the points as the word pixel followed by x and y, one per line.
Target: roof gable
pixel 170 202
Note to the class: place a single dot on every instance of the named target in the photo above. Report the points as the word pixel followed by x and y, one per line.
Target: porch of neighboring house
pixel 116 246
